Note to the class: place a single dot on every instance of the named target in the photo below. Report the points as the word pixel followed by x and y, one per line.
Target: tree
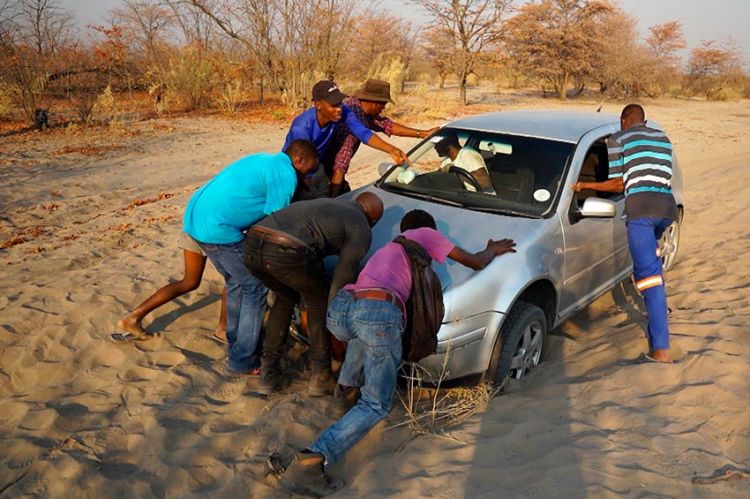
pixel 715 67
pixel 473 26
pixel 556 41
pixel 664 40
pixel 439 51
pixel 44 25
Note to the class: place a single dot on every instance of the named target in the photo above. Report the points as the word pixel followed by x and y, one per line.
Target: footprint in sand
pixel 11 413
pixel 20 453
pixel 138 373
pixel 224 393
pixel 38 420
pixel 166 359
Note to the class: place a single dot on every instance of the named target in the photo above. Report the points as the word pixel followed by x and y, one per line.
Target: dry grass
pixel 434 410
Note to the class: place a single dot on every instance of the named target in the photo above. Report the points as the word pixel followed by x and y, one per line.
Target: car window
pixel 484 170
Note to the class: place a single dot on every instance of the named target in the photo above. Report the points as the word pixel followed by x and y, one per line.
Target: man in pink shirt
pixel 369 316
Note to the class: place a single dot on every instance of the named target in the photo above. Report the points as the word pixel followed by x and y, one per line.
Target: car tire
pixel 520 346
pixel 669 244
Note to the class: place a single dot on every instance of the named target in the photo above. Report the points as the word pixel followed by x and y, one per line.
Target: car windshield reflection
pixel 507 174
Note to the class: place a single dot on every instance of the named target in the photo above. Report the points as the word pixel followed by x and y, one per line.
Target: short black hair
pixel 417 219
pixel 635 110
pixel 449 140
pixel 303 147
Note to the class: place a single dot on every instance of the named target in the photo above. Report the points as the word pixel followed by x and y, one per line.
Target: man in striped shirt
pixel 640 163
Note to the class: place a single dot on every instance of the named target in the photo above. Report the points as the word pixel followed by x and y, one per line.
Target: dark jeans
pixel 291 273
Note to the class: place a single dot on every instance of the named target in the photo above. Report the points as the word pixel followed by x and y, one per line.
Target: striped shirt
pixel 642 157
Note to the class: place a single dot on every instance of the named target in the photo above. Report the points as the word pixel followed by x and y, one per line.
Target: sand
pixel 99 214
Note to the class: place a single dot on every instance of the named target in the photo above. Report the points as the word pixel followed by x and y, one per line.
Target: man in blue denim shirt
pixel 369 316
pixel 217 216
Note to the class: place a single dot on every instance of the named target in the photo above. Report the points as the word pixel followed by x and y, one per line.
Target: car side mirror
pixel 598 208
pixel 384 167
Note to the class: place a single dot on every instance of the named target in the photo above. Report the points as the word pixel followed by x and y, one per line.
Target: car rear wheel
pixel 669 244
pixel 521 344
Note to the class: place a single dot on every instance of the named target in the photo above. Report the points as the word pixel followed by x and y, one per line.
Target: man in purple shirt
pixel 318 124
pixel 367 105
pixel 369 316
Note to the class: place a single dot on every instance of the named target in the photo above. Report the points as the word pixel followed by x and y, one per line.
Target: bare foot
pixel 130 325
pixel 220 335
pixel 662 355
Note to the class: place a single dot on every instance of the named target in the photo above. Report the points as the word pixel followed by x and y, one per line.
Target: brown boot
pixel 321 384
pixel 345 397
pixel 305 475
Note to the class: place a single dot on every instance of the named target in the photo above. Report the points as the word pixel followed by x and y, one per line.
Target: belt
pixel 378 294
pixel 276 237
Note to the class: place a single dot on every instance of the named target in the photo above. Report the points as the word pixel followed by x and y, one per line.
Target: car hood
pixel 466 228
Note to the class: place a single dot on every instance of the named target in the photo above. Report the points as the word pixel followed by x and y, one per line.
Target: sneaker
pixel 305 475
pixel 321 384
pixel 345 397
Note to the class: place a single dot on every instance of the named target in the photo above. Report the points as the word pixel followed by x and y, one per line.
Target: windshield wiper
pixel 427 197
pixel 501 211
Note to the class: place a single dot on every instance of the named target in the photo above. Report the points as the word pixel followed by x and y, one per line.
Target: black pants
pixel 291 274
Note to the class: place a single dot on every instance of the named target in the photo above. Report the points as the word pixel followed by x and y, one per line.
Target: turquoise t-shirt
pixel 240 195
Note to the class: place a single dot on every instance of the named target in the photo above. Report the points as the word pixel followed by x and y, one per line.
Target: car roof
pixel 565 126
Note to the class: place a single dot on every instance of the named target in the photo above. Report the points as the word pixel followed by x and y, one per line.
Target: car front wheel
pixel 520 345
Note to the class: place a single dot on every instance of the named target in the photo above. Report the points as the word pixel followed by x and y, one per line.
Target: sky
pixel 701 19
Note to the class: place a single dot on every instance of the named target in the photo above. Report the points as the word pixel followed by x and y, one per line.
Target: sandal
pixel 127 336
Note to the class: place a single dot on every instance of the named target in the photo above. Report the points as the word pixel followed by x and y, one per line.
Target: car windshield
pixel 484 171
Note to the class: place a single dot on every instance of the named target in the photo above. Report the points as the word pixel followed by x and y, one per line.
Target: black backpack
pixel 424 309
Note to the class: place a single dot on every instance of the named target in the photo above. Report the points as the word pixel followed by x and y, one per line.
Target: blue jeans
pixel 372 330
pixel 246 303
pixel 643 234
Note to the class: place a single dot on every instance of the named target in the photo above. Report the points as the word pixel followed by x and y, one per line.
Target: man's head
pixel 632 114
pixel 417 219
pixel 371 205
pixel 328 99
pixel 374 95
pixel 448 146
pixel 304 156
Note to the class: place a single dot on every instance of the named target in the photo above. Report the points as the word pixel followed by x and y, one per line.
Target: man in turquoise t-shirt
pixel 217 216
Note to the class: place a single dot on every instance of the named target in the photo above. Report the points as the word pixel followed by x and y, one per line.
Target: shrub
pixel 104 108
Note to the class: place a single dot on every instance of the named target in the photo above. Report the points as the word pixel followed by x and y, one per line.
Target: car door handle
pixel 623 216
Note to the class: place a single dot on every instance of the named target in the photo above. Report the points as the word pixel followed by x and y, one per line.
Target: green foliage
pixel 190 79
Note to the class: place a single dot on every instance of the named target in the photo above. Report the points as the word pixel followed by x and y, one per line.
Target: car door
pixel 595 250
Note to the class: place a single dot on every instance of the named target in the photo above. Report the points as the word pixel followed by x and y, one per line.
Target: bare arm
pixel 405 131
pixel 398 156
pixel 611 185
pixel 481 259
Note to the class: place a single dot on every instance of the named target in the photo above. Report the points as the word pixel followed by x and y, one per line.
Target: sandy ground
pixel 83 417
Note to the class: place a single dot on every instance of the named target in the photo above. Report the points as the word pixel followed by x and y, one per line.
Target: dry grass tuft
pixel 434 410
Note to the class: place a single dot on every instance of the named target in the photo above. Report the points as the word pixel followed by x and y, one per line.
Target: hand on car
pixel 502 246
pixel 577 187
pixel 399 157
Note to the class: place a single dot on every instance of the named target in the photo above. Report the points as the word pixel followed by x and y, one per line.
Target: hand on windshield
pixel 399 157
pixel 502 246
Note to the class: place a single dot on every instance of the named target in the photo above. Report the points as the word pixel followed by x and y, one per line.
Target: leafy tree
pixel 473 25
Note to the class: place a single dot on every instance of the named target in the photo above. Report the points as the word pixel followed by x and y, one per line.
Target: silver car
pixel 571 248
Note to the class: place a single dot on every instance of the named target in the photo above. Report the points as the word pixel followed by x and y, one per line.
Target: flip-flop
pixel 221 338
pixel 127 336
pixel 643 358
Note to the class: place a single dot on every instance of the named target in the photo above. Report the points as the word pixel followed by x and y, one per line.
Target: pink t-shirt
pixel 389 268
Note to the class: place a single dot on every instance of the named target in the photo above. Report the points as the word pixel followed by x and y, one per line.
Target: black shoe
pixel 345 397
pixel 321 384
pixel 273 381
pixel 305 476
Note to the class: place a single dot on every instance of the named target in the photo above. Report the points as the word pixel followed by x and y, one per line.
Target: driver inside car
pixel 467 159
